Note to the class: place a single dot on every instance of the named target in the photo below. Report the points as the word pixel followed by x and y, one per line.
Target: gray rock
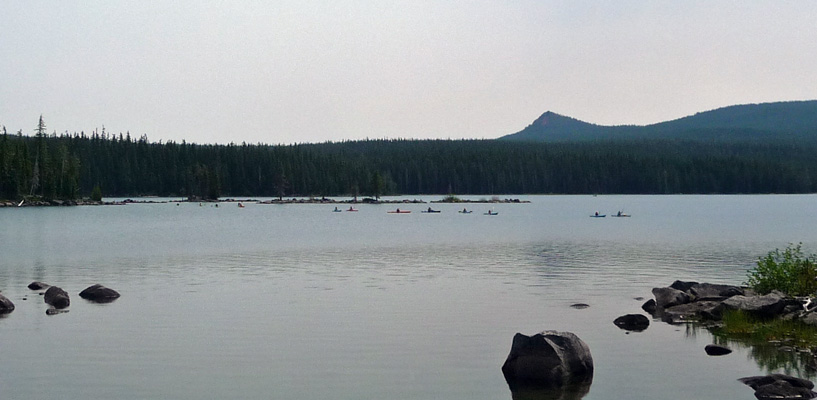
pixel 700 310
pixel 56 297
pixel 549 359
pixel 716 350
pixel 99 293
pixel 682 286
pixel 668 297
pixel 649 306
pixel 810 319
pixel 36 285
pixel 779 386
pixel 766 306
pixel 6 306
pixel 702 291
pixel 632 322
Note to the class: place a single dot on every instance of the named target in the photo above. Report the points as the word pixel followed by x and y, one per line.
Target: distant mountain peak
pixel 748 121
pixel 545 118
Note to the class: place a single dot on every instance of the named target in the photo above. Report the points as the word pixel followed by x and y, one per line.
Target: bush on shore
pixel 789 271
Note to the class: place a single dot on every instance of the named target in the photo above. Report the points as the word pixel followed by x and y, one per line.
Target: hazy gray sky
pixel 303 71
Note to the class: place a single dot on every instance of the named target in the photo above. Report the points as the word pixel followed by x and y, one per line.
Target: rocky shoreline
pixel 706 302
pixel 706 305
pixel 294 200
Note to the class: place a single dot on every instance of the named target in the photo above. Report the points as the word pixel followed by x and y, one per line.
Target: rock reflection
pixel 570 392
pixel 786 356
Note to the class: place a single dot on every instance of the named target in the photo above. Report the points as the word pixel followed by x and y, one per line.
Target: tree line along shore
pixel 72 166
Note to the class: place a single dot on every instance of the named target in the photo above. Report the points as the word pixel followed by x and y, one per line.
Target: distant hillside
pixel 794 120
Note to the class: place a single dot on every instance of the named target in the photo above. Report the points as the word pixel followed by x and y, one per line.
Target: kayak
pixel 620 215
pixel 351 209
pixel 491 213
pixel 465 212
pixel 431 212
pixel 598 216
pixel 399 212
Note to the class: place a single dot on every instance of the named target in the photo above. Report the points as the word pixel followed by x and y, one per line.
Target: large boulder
pixel 99 293
pixel 56 297
pixel 766 306
pixel 632 322
pixel 6 306
pixel 668 297
pixel 779 386
pixel 549 359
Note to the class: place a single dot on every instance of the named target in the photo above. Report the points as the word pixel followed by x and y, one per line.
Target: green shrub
pixel 788 271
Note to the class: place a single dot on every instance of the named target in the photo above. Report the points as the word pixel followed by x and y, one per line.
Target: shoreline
pixel 294 200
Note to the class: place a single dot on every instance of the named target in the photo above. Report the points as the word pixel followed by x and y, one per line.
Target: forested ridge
pixel 70 165
pixel 786 120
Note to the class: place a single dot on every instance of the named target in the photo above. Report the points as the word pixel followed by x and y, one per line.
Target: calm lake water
pixel 299 302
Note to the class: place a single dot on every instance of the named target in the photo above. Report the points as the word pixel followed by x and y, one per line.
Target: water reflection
pixel 570 392
pixel 772 357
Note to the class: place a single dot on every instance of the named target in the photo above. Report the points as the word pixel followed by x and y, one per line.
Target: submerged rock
pixel 716 350
pixel 549 359
pixel 56 297
pixel 36 285
pixel 632 322
pixel 99 293
pixel 6 306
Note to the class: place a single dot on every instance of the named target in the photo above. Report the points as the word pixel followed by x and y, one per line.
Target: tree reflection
pixel 787 355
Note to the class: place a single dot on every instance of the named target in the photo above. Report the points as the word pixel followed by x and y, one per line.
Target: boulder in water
pixel 56 297
pixel 716 350
pixel 549 359
pixel 36 285
pixel 6 306
pixel 779 386
pixel 99 293
pixel 632 322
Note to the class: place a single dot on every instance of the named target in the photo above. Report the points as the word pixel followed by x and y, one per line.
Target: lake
pixel 299 302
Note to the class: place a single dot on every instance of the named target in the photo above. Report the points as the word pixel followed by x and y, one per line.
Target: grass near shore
pixel 738 325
